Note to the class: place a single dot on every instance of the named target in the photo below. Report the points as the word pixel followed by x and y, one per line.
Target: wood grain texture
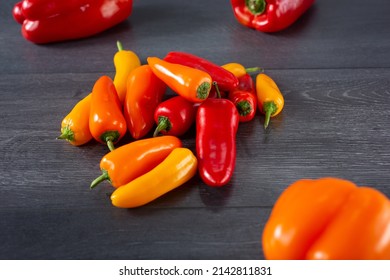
pixel 332 67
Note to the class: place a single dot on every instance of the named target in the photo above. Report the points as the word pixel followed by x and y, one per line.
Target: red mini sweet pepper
pixel 216 128
pixel 47 21
pixel 269 15
pixel 174 116
pixel 246 104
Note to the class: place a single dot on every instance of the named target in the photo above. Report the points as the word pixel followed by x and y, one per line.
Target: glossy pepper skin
pixel 106 121
pixel 269 15
pixel 87 19
pixel 174 116
pixel 17 12
pixel 125 61
pixel 132 160
pixel 144 92
pixel 226 80
pixel 191 83
pixel 37 9
pixel 216 127
pixel 270 100
pixel 75 126
pixel 328 218
pixel 176 169
pixel 246 104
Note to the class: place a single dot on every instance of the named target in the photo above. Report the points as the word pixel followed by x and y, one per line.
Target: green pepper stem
pixel 254 69
pixel 269 109
pixel 109 137
pixel 217 89
pixel 63 136
pixel 163 124
pixel 110 144
pixel 256 7
pixel 119 45
pixel 100 179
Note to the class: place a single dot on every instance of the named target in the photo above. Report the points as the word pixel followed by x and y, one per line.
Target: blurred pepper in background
pixel 328 218
pixel 269 15
pixel 46 21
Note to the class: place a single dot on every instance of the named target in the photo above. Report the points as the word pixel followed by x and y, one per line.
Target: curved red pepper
pixel 225 79
pixel 216 127
pixel 269 15
pixel 174 116
pixel 87 19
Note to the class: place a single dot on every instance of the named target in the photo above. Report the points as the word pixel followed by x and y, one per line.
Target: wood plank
pixel 143 233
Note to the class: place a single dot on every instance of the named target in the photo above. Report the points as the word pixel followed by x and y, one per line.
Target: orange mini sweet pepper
pixel 191 83
pixel 75 125
pixel 106 121
pixel 132 160
pixel 176 169
pixel 144 92
pixel 328 218
pixel 269 98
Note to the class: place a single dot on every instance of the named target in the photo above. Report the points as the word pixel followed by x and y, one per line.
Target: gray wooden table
pixel 333 67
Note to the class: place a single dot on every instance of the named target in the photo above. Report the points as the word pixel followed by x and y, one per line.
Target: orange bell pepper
pixel 269 98
pixel 328 218
pixel 106 121
pixel 75 126
pixel 132 160
pixel 191 83
pixel 144 92
pixel 125 61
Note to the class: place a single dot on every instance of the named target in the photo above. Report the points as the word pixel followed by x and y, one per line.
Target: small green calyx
pixel 269 108
pixel 202 92
pixel 244 108
pixel 67 134
pixel 256 7
pixel 163 125
pixel 110 137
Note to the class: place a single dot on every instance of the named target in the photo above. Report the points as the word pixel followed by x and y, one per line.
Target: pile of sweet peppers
pixel 214 99
pixel 327 218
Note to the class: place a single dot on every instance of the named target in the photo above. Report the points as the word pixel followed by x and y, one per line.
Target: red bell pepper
pixel 216 128
pixel 49 21
pixel 174 116
pixel 225 79
pixel 269 15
